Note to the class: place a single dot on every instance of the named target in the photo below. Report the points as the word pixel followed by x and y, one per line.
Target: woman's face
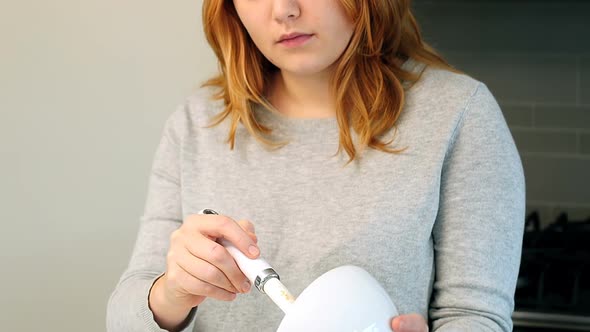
pixel 321 31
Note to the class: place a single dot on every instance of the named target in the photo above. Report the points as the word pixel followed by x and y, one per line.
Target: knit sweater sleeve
pixel 479 227
pixel 128 309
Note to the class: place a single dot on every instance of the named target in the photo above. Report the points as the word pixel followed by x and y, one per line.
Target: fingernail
pixel 253 250
pixel 246 286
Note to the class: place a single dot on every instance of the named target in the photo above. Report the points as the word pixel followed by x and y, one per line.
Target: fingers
pixel 249 228
pixel 194 285
pixel 409 323
pixel 215 254
pixel 205 271
pixel 199 267
pixel 218 226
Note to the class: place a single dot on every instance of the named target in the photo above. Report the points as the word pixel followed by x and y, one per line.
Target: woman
pixel 345 139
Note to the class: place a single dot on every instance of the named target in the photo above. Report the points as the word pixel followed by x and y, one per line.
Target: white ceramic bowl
pixel 344 299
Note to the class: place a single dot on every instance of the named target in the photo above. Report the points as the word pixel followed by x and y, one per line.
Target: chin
pixel 304 70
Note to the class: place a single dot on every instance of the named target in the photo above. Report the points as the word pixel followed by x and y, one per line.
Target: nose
pixel 286 10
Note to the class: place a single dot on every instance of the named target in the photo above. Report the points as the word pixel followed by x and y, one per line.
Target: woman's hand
pixel 197 267
pixel 409 323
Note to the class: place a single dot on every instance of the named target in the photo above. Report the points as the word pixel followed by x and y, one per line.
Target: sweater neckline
pixel 287 125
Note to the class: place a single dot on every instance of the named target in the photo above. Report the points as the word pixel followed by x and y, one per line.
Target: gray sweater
pixel 439 226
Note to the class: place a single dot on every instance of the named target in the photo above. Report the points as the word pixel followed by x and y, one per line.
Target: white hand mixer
pixel 346 298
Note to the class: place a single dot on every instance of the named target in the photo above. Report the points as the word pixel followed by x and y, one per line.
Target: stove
pixel 553 287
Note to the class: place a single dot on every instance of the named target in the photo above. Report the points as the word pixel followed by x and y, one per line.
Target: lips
pixel 294 35
pixel 296 41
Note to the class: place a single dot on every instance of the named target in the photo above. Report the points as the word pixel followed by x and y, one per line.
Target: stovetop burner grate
pixel 554 277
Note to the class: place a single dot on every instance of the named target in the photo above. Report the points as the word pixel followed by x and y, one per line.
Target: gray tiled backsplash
pixel 558 179
pixel 548 141
pixel 585 146
pixel 516 26
pixel 585 76
pixel 572 117
pixel 518 115
pixel 525 78
pixel 535 57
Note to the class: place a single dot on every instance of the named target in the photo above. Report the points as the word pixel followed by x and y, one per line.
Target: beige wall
pixel 85 87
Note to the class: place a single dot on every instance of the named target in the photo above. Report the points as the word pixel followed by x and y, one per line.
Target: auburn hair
pixel 366 84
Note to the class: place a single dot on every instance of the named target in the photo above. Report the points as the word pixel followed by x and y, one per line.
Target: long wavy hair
pixel 366 83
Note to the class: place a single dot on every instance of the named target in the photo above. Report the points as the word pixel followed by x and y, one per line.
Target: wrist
pixel 162 297
pixel 168 312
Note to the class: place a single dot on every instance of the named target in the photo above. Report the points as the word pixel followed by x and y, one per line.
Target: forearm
pixel 466 324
